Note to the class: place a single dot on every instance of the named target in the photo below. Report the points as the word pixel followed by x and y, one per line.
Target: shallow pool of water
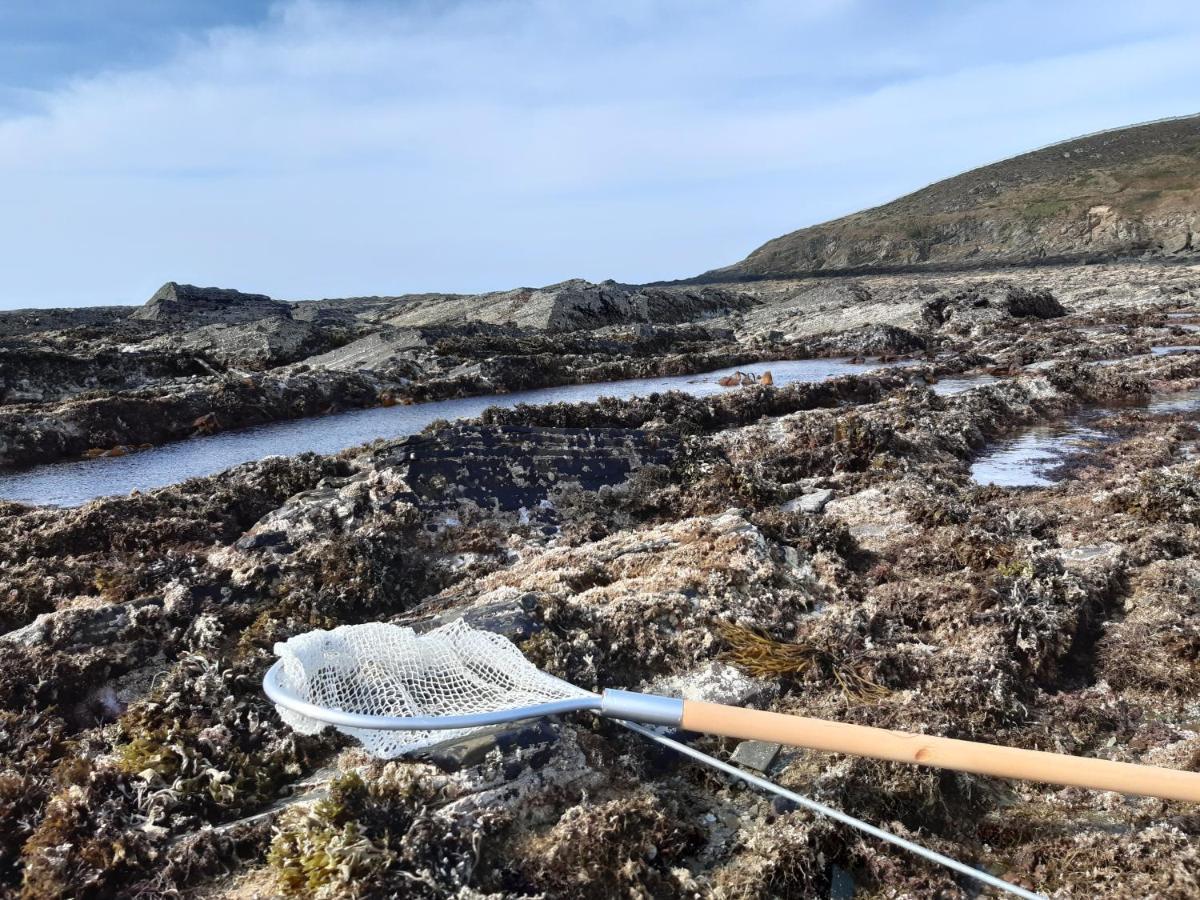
pixel 1036 457
pixel 74 482
pixel 1030 458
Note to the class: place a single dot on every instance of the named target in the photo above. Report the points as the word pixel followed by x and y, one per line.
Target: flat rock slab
pixel 812 502
pixel 713 682
pixel 508 467
pixel 872 518
pixel 757 755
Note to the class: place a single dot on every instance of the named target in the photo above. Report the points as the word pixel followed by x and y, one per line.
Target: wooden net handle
pixel 944 753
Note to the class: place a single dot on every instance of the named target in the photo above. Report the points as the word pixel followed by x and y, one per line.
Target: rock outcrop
pixel 577 304
pixel 18 322
pixel 510 468
pixel 193 305
pixel 35 375
pixel 257 344
pixel 989 303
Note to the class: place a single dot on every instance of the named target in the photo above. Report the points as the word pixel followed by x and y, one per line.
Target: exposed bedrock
pixel 264 343
pixel 647 544
pixel 186 303
pixel 990 303
pixel 577 304
pixel 19 322
pixel 510 468
pixel 43 375
pixel 204 360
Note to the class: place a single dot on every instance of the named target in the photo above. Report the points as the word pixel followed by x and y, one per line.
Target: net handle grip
pixel 941 752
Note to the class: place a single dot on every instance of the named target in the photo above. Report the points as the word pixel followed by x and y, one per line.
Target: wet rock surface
pixel 817 548
pixel 510 468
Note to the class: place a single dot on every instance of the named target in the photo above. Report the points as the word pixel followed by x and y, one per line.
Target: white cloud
pixel 347 149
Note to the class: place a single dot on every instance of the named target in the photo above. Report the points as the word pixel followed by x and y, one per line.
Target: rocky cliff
pixel 1128 192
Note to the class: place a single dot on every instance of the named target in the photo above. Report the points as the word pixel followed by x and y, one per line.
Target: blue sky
pixel 308 148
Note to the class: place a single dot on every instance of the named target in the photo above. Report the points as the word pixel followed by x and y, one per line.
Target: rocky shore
pixel 199 360
pixel 196 361
pixel 816 548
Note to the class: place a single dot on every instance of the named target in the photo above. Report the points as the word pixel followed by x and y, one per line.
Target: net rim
pixel 279 694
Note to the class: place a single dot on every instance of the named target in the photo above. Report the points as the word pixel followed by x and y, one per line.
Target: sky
pixel 313 148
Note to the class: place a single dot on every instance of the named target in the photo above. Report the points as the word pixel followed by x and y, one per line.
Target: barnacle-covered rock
pixel 668 543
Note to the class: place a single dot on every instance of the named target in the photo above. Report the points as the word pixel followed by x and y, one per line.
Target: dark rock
pixel 1039 304
pixel 868 340
pixel 783 805
pixel 757 755
pixel 990 303
pixel 18 322
pixel 460 753
pixel 38 374
pixel 509 468
pixel 199 306
pixel 516 620
pixel 841 884
pixel 256 540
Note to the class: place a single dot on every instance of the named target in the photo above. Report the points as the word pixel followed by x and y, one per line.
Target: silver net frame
pixel 396 691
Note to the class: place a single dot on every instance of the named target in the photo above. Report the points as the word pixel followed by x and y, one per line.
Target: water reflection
pixel 1037 456
pixel 77 481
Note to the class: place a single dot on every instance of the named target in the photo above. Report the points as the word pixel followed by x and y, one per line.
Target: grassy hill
pixel 1127 192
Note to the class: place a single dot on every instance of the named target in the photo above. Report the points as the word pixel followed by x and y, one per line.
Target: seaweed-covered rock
pixel 665 543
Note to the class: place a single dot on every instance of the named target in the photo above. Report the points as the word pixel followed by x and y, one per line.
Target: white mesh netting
pixel 389 670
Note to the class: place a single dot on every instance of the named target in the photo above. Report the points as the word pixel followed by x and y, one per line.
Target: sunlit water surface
pixel 74 482
pixel 1031 458
pixel 1036 457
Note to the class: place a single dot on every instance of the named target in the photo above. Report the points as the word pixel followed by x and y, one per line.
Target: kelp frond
pixel 764 657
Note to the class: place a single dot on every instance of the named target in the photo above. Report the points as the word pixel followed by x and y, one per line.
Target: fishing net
pixel 388 670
